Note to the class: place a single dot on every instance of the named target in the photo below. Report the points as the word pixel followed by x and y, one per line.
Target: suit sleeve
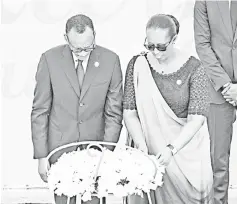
pixel 113 105
pixel 40 110
pixel 202 34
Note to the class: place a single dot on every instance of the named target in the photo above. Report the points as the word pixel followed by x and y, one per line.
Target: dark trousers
pixel 220 124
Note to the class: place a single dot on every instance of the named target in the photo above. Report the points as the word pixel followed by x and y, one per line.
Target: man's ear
pixel 175 38
pixel 65 37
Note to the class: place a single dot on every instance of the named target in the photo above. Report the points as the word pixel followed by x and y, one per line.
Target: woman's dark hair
pixel 165 21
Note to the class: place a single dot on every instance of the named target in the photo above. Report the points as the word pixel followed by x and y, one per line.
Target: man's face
pixel 81 44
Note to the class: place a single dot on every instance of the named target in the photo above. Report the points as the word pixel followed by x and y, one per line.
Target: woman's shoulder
pixel 141 54
pixel 185 59
pixel 130 66
pixel 197 69
pixel 134 58
pixel 194 65
pixel 194 61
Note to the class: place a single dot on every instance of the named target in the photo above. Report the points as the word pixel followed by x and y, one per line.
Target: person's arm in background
pixel 39 116
pixel 202 35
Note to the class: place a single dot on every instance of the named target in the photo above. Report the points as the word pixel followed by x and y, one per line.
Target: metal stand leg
pixel 149 198
pixel 78 199
pixel 68 200
pixel 124 200
pixel 103 200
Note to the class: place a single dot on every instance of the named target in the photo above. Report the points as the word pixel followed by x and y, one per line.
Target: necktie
pixel 233 14
pixel 80 73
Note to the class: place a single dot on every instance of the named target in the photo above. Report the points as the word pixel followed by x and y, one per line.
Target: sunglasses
pixel 81 49
pixel 160 47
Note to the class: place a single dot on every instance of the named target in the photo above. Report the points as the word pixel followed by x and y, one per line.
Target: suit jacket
pixel 216 44
pixel 61 114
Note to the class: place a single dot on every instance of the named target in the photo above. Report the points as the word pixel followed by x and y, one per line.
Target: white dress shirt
pixel 84 62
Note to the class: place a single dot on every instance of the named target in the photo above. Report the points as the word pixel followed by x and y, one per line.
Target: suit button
pixel 80 122
pixel 81 104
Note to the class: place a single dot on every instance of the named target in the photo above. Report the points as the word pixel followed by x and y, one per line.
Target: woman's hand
pixel 142 147
pixel 164 157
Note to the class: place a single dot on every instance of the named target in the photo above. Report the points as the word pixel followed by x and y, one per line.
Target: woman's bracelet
pixel 173 149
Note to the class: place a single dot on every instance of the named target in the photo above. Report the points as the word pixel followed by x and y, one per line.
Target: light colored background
pixel 29 27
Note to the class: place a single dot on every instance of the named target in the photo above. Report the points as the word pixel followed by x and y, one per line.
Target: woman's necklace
pixel 156 65
pixel 170 65
pixel 165 68
pixel 161 69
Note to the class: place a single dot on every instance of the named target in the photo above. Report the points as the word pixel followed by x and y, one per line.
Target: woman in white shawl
pixel 166 103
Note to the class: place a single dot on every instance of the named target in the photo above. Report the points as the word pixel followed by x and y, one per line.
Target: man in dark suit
pixel 216 44
pixel 78 95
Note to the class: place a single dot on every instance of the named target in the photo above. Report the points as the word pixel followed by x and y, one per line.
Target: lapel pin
pixel 179 82
pixel 97 64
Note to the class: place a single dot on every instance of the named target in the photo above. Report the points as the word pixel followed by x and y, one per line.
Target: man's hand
pixel 226 87
pixel 43 168
pixel 230 94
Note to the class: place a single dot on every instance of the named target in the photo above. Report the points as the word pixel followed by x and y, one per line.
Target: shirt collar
pixel 84 62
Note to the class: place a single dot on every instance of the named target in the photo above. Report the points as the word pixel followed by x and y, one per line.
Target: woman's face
pixel 159 42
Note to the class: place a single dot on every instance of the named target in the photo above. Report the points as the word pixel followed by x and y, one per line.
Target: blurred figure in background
pixel 215 28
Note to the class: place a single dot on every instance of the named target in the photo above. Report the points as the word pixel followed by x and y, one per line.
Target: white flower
pixel 122 172
pixel 86 196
